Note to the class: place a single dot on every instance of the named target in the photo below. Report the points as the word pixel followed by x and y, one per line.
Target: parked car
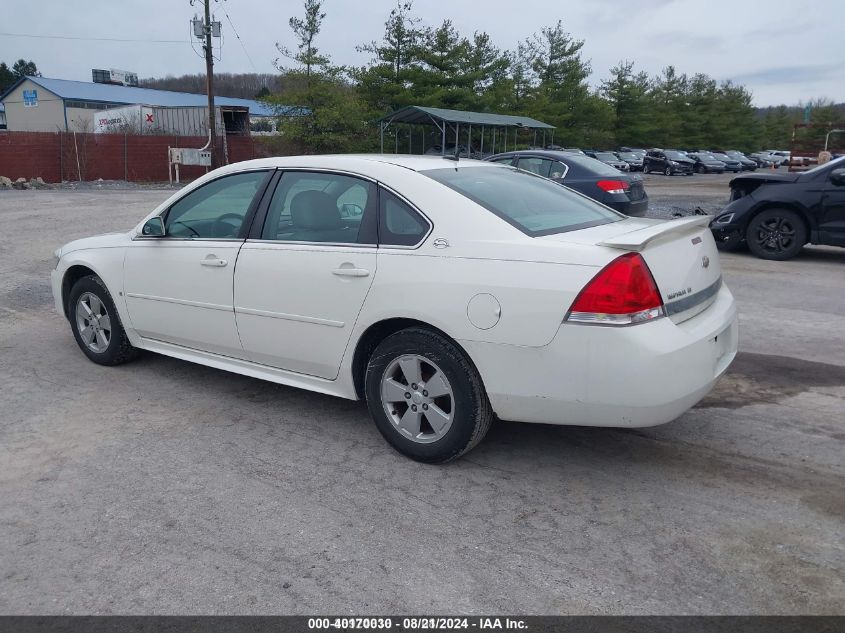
pixel 731 164
pixel 761 161
pixel 634 160
pixel 778 157
pixel 669 162
pixel 464 290
pixel 706 164
pixel 559 148
pixel 462 151
pixel 776 214
pixel 588 176
pixel 745 163
pixel 609 158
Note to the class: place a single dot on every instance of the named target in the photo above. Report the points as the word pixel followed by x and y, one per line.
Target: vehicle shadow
pixel 687 448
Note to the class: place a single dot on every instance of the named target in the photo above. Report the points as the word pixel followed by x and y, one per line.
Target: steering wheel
pixel 223 227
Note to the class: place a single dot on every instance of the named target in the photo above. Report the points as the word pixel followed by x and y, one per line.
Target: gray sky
pixel 785 51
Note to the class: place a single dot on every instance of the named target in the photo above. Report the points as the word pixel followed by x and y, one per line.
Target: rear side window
pixel 399 224
pixel 539 166
pixel 321 207
pixel 534 205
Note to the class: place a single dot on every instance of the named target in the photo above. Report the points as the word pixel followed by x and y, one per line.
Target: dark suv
pixel 668 162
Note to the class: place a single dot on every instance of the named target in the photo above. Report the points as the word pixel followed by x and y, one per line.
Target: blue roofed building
pixel 40 104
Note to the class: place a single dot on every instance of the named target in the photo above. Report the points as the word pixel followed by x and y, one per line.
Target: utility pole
pixel 206 30
pixel 209 83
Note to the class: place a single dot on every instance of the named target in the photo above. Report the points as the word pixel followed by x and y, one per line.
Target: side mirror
pixel 154 227
pixel 837 177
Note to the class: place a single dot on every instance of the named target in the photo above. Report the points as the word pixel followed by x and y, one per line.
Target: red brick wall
pixel 53 155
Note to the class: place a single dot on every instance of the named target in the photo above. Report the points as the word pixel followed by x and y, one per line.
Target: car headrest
pixel 314 210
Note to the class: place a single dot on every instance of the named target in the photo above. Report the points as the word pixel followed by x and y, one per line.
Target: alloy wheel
pixel 93 322
pixel 417 398
pixel 775 235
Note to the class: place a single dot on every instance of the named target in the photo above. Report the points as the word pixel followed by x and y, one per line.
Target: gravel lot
pixel 165 487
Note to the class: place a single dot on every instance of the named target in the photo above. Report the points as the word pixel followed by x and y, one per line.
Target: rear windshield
pixel 533 204
pixel 593 166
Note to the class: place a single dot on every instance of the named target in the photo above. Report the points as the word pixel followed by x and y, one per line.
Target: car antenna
pixel 456 156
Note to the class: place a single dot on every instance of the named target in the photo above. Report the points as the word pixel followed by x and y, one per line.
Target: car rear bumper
pixel 605 376
pixel 634 208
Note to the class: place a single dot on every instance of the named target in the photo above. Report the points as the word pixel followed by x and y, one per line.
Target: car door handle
pixel 351 272
pixel 214 262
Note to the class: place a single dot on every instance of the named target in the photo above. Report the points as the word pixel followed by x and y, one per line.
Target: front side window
pixel 321 207
pixel 399 224
pixel 506 160
pixel 534 205
pixel 216 210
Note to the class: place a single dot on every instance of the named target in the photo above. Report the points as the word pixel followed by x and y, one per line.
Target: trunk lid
pixel 681 255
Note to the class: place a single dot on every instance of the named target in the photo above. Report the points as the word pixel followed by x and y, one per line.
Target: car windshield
pixel 674 155
pixel 606 156
pixel 628 156
pixel 721 157
pixel 533 204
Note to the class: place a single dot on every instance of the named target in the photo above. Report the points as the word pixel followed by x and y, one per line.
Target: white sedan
pixel 444 293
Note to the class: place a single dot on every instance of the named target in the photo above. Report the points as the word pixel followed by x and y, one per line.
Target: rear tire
pixel 96 324
pixel 776 234
pixel 426 397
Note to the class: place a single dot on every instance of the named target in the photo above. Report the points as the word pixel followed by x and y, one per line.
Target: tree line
pixel 544 77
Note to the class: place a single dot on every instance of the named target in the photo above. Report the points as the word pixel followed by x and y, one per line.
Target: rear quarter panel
pixel 436 289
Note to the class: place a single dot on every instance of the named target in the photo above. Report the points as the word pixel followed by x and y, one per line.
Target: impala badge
pixel 705 262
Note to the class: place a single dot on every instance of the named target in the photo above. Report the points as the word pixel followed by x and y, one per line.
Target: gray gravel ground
pixel 166 487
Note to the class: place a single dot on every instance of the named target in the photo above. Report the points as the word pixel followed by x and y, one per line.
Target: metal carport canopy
pixel 424 115
pixel 442 119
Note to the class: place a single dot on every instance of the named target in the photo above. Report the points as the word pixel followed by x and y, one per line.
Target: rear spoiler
pixel 637 240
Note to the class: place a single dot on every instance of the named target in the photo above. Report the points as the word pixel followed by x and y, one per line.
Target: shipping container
pixel 181 121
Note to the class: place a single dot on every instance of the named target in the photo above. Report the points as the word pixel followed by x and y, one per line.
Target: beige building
pixel 39 104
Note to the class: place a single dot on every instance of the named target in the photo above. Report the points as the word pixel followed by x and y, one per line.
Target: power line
pixel 235 31
pixel 92 39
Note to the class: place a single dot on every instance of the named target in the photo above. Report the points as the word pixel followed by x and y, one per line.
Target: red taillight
pixel 613 186
pixel 623 293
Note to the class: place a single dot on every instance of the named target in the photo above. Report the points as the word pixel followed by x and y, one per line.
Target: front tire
pixel 96 324
pixel 667 171
pixel 777 234
pixel 426 397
